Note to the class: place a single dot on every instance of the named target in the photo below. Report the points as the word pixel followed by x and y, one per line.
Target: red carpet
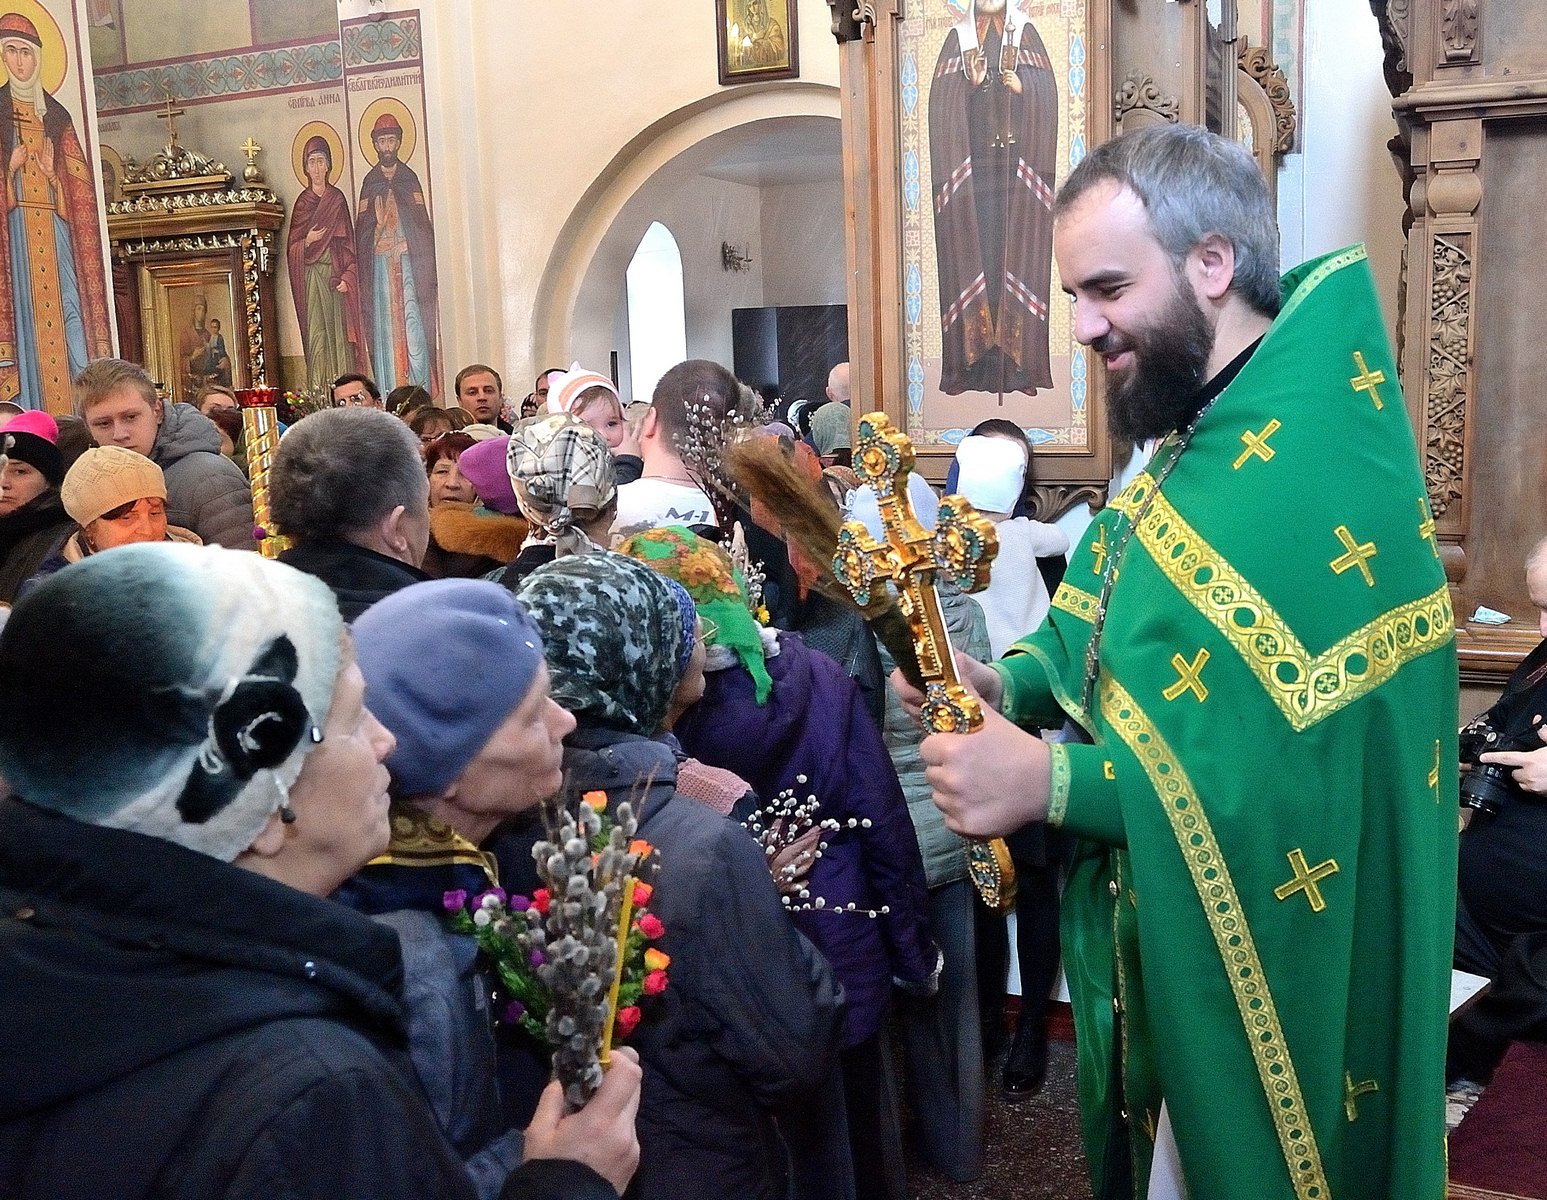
pixel 1499 1151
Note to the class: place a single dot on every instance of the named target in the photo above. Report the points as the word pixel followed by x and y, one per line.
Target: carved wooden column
pixel 1473 110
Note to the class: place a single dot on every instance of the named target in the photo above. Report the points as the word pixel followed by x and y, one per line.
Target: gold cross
pixel 1351 1093
pixel 1098 550
pixel 1189 681
pixel 1257 443
pixel 1367 380
pixel 170 117
pixel 1434 772
pixel 1357 555
pixel 1426 526
pixel 250 148
pixel 1306 878
pixel 962 544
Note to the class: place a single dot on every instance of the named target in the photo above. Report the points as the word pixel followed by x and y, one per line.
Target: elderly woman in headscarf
pixel 195 771
pixel 787 718
pixel 749 1027
pixel 561 472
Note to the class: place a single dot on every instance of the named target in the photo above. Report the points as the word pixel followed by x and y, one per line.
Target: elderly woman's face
pixel 447 483
pixel 142 520
pixel 522 763
pixel 340 797
pixel 19 483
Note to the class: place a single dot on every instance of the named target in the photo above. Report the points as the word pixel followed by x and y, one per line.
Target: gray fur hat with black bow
pixel 167 689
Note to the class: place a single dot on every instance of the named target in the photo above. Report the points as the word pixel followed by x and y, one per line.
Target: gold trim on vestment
pixel 1075 602
pixel 1070 704
pixel 1307 688
pixel 1058 790
pixel 1347 258
pixel 1227 921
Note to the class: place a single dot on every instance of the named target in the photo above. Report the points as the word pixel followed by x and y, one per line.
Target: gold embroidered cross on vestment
pixel 1357 556
pixel 1257 444
pixel 1426 526
pixel 1367 380
pixel 1306 878
pixel 1189 680
pixel 1351 1093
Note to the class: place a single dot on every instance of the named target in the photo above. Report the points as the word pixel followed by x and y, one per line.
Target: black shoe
pixel 1026 1067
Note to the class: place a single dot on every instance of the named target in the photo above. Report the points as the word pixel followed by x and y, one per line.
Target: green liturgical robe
pixel 1258 925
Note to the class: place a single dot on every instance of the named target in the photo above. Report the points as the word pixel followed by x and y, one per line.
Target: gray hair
pixel 1192 183
pixel 104 376
pixel 340 471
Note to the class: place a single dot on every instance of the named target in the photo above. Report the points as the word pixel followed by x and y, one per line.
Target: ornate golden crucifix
pixel 962 544
pixel 170 117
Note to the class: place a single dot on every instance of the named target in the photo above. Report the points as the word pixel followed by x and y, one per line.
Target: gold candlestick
pixel 260 434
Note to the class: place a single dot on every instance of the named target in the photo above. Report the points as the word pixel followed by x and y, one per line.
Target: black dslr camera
pixel 1487 785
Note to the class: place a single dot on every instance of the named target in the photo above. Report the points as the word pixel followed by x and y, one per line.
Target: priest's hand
pixel 978 678
pixel 601 1135
pixel 989 783
pixel 1530 765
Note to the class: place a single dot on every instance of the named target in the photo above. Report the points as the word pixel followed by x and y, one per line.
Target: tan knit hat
pixel 105 477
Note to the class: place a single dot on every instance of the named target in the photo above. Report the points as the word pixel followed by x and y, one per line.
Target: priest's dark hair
pixel 1193 183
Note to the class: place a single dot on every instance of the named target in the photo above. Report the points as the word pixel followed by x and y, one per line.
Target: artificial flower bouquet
pixel 575 958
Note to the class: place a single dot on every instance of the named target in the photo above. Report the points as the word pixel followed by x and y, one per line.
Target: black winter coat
pixel 357 576
pixel 750 1023
pixel 179 1027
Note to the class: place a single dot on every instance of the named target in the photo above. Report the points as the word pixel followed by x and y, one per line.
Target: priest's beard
pixel 1160 390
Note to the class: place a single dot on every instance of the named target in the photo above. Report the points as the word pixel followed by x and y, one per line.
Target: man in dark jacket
pixel 206 492
pixel 348 487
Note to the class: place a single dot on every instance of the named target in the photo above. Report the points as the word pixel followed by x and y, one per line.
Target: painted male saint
pixel 324 277
pixel 53 292
pixel 993 145
pixel 396 246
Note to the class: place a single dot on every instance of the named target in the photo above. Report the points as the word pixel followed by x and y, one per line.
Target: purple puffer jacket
pixel 815 724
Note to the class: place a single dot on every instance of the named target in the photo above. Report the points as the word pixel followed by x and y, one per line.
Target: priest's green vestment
pixel 1258 924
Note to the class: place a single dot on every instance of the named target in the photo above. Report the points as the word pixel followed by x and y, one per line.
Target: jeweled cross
pixel 1426 526
pixel 1357 556
pixel 1257 443
pixel 1351 1093
pixel 1099 550
pixel 1306 878
pixel 1189 681
pixel 170 117
pixel 962 544
pixel 1434 772
pixel 1367 380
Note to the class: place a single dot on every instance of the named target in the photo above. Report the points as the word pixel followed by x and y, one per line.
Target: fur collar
pixel 460 529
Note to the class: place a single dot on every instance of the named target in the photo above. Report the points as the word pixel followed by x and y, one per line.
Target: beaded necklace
pixel 1109 576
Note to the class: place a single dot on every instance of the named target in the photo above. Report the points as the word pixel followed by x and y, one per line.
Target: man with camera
pixel 1501 911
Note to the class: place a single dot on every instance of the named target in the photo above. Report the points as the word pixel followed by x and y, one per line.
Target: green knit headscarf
pixel 719 592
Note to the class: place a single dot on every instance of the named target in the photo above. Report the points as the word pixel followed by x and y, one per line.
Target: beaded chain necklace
pixel 1109 576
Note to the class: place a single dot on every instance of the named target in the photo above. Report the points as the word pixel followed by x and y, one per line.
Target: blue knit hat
pixel 445 663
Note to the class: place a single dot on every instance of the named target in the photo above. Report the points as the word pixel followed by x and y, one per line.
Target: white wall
pixel 1341 186
pixel 802 244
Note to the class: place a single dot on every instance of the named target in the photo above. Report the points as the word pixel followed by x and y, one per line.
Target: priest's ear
pixel 1211 266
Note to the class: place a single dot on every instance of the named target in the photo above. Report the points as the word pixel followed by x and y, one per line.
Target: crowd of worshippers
pixel 241 792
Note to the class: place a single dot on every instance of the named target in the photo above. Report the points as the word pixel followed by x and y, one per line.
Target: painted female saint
pixel 324 279
pixel 53 290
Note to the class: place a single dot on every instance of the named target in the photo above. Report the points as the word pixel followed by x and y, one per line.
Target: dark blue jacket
pixel 815 724
pixel 749 1024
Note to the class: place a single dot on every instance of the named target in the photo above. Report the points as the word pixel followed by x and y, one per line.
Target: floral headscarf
pixel 717 588
pixel 558 464
pixel 616 637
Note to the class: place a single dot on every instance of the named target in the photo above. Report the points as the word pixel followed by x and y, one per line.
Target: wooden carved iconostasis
pixel 1470 84
pixel 961 118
